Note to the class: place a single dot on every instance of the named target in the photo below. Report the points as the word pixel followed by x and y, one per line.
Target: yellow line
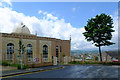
pixel 31 72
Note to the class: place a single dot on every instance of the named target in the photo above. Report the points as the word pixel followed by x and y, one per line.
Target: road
pixel 76 71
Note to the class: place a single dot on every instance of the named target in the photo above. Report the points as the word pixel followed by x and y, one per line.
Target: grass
pixel 103 63
pixel 24 66
pixel 6 63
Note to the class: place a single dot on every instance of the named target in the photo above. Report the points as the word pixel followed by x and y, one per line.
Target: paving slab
pixel 7 68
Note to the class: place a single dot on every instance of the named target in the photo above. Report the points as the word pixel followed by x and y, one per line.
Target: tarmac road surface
pixel 76 71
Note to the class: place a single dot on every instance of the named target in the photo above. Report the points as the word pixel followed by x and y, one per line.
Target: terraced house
pixel 37 49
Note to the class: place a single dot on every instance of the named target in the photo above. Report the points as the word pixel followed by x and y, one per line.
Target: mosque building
pixel 36 49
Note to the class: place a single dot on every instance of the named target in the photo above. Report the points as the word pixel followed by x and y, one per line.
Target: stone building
pixel 110 56
pixel 37 49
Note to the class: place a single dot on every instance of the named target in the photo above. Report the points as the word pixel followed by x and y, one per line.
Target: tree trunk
pixel 100 54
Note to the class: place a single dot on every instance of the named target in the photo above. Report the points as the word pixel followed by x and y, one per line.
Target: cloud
pixel 40 11
pixel 114 34
pixel 73 9
pixel 48 26
pixel 8 2
pixel 4 3
pixel 45 13
pixel 0 3
pixel 50 16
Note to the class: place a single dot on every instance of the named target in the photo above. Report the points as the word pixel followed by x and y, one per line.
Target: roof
pixel 112 53
pixel 15 35
pixel 18 30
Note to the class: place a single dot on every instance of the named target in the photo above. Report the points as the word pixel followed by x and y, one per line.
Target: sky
pixel 76 13
pixel 58 19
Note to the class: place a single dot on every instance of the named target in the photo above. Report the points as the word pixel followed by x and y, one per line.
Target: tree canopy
pixel 99 30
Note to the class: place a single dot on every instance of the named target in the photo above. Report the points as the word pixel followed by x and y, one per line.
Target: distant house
pixel 89 57
pixel 109 55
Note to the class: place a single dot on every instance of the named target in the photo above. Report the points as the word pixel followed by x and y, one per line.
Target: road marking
pixel 31 72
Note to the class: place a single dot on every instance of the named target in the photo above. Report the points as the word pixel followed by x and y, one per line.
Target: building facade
pixel 36 49
pixel 110 56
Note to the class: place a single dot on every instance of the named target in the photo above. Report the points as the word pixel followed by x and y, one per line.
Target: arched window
pixel 45 53
pixel 10 51
pixel 57 50
pixel 57 53
pixel 60 48
pixel 29 51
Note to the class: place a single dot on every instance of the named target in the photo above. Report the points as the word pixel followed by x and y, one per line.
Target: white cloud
pixel 0 3
pixel 8 2
pixel 114 34
pixel 4 3
pixel 48 26
pixel 45 13
pixel 73 9
pixel 40 11
pixel 50 16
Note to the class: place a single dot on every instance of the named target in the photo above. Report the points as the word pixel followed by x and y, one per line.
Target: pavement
pixel 7 68
pixel 12 71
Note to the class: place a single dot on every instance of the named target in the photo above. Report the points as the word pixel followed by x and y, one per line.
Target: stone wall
pixel 106 57
pixel 66 47
pixel 40 64
pixel 37 45
pixel 48 43
pixel 33 43
pixel 15 41
pixel 5 41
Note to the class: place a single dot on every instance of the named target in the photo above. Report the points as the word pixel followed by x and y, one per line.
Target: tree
pixel 23 47
pixel 63 54
pixel 99 31
pixel 96 58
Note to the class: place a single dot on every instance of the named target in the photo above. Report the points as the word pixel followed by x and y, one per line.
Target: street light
pixel 21 41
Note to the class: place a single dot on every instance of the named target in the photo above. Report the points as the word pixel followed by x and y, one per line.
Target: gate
pixel 55 60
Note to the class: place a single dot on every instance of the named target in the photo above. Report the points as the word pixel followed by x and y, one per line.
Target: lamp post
pixel 21 42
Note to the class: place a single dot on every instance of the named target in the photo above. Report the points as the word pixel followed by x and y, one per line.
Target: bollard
pixel 94 59
pixel 83 59
pixel 119 56
pixel 73 58
pixel 13 58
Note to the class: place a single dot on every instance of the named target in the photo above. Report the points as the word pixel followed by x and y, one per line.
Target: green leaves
pixel 99 30
pixel 23 47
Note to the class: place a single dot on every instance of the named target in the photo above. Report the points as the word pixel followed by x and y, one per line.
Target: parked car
pixel 115 60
